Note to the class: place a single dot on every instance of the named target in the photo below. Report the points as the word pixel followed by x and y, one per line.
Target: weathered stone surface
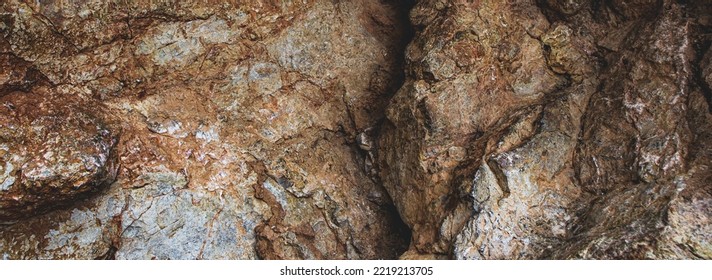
pixel 308 130
pixel 238 126
pixel 446 120
pixel 52 150
pixel 565 131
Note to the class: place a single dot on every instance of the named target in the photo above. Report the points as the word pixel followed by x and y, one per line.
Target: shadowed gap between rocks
pixel 401 43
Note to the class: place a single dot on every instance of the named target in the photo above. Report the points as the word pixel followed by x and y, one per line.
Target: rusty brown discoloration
pixel 44 165
pixel 276 130
pixel 541 124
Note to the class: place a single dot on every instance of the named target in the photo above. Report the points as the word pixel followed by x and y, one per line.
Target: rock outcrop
pixel 373 129
pixel 54 148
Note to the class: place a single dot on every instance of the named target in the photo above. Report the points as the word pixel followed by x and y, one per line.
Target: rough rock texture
pixel 42 164
pixel 235 126
pixel 307 130
pixel 553 129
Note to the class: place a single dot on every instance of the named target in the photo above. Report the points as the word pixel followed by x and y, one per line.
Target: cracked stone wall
pixel 375 129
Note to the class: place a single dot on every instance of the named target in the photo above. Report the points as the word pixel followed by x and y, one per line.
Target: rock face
pixel 553 129
pixel 44 165
pixel 233 129
pixel 308 130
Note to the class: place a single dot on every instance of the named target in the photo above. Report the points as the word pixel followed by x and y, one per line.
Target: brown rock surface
pixel 238 125
pixel 307 130
pixel 42 164
pixel 553 129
